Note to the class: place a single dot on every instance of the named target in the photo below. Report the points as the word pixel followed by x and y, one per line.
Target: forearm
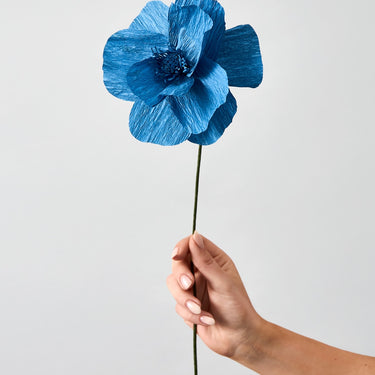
pixel 278 351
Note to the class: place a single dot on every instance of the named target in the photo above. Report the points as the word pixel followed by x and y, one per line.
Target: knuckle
pixel 208 261
pixel 182 243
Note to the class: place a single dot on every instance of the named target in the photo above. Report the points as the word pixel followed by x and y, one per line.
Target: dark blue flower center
pixel 170 65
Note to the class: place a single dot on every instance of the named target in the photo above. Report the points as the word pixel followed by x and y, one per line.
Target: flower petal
pixel 179 86
pixel 150 88
pixel 156 124
pixel 144 83
pixel 219 122
pixel 213 38
pixel 124 49
pixel 240 57
pixel 188 26
pixel 153 18
pixel 209 92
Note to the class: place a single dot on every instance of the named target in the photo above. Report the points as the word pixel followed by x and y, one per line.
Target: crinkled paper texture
pixel 240 57
pixel 191 103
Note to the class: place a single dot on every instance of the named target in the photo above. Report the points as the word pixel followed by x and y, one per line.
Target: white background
pixel 89 216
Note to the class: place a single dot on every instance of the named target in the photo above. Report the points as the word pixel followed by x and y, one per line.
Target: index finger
pixel 181 268
pixel 181 249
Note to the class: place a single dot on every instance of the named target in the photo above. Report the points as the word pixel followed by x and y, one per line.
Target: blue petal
pixel 153 18
pixel 180 86
pixel 219 122
pixel 156 124
pixel 188 26
pixel 150 88
pixel 124 49
pixel 210 90
pixel 213 38
pixel 240 57
pixel 144 83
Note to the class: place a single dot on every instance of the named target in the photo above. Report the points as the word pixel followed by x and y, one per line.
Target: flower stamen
pixel 170 65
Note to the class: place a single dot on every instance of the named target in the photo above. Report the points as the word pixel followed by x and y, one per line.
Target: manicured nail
pixel 198 239
pixel 193 307
pixel 185 282
pixel 175 252
pixel 207 320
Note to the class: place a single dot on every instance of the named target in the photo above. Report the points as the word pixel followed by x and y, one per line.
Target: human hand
pixel 226 320
pixel 228 324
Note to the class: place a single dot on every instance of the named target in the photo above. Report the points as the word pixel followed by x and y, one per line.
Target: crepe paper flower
pixel 176 64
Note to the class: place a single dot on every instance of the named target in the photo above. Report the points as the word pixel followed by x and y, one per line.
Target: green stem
pixel 192 265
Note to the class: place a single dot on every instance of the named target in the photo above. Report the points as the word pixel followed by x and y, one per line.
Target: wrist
pixel 252 351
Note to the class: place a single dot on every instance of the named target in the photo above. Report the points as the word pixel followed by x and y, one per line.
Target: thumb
pixel 204 261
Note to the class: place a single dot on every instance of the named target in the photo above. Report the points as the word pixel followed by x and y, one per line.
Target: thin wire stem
pixel 192 265
pixel 197 188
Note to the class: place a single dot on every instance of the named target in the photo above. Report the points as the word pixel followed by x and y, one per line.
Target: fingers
pixel 181 264
pixel 221 258
pixel 183 297
pixel 188 306
pixel 191 325
pixel 207 257
pixel 204 260
pixel 180 284
pixel 181 250
pixel 205 319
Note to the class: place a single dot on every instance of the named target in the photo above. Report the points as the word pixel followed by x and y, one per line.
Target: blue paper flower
pixel 176 64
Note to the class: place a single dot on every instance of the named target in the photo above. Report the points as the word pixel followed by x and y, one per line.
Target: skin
pixel 235 330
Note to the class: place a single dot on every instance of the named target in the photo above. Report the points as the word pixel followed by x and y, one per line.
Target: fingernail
pixel 193 307
pixel 185 282
pixel 198 239
pixel 207 320
pixel 174 252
